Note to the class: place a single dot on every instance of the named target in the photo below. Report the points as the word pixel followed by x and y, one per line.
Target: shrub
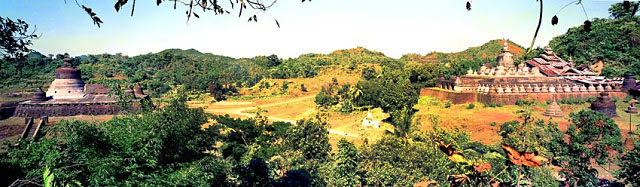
pixel 627 99
pixel 285 85
pixel 499 104
pixel 573 101
pixel 523 102
pixel 471 106
pixel 303 88
pixel 447 105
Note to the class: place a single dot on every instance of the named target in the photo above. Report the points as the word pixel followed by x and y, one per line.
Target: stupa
pixel 632 108
pixel 68 83
pixel 69 96
pixel 605 105
pixel 505 59
pixel 541 78
pixel 553 110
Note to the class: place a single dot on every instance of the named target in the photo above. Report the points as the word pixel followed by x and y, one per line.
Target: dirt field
pixel 13 127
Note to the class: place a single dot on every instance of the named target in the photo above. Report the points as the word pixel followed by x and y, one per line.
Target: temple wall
pixel 39 110
pixel 506 98
pixel 454 97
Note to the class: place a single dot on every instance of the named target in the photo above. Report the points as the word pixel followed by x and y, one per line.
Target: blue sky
pixel 320 26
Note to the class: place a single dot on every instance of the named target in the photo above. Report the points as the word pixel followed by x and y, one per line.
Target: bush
pixel 627 99
pixel 523 102
pixel 499 104
pixel 447 105
pixel 303 88
pixel 574 101
pixel 471 106
pixel 285 85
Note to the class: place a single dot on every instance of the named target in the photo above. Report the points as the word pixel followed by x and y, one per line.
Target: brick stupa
pixel 553 110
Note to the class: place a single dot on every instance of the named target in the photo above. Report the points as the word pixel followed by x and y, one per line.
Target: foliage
pixel 193 8
pixel 402 122
pixel 592 135
pixel 531 136
pixel 623 9
pixel 525 102
pixel 576 101
pixel 339 98
pixel 14 38
pixel 346 165
pixel 460 62
pixel 311 154
pixel 390 91
pixel 471 106
pixel 447 104
pixel 630 166
pixel 613 41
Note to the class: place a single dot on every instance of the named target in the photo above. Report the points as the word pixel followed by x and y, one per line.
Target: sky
pixel 320 26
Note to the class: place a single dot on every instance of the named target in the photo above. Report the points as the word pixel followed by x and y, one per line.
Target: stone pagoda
pixel 553 110
pixel 605 105
pixel 68 83
pixel 68 95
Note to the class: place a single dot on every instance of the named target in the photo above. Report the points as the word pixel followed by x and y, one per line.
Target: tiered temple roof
pixel 552 65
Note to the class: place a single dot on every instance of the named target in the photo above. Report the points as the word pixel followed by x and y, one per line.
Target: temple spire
pixel 505 46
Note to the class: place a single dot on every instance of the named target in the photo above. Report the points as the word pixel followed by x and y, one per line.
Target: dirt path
pixel 241 112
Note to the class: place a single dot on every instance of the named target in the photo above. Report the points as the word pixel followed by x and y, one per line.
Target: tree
pixel 630 166
pixel 402 121
pixel 623 9
pixel 15 38
pixel 307 146
pixel 195 7
pixel 592 135
pixel 613 41
pixel 311 138
pixel 346 165
pixel 534 137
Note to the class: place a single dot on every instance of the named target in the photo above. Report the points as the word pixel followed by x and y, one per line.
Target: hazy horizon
pixel 320 26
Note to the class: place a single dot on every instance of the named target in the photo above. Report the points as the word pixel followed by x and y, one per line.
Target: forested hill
pixel 614 41
pixel 485 53
pixel 159 72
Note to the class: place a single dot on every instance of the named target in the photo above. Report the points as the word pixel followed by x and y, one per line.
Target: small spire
pixel 67 62
pixel 506 45
pixel 548 50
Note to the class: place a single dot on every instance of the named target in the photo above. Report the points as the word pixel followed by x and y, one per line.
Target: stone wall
pixel 39 110
pixel 454 97
pixel 7 109
pixel 506 98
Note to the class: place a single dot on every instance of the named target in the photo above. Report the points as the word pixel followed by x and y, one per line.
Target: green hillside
pixel 485 53
pixel 616 42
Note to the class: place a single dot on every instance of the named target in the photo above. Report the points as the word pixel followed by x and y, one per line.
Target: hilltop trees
pixel 612 41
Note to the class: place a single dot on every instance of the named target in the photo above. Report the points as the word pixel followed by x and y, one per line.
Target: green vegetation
pixel 592 136
pixel 473 57
pixel 471 106
pixel 614 41
pixel 630 166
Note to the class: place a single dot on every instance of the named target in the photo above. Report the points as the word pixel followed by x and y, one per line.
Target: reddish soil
pixel 7 131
